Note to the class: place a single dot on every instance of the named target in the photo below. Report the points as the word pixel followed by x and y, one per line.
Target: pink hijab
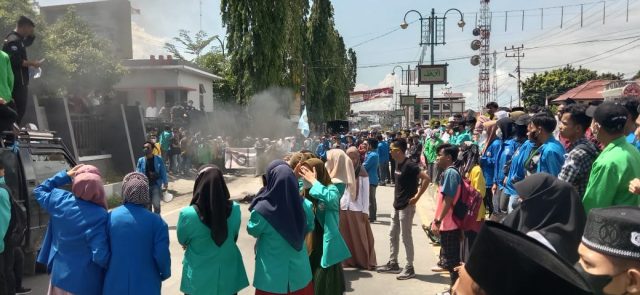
pixel 87 185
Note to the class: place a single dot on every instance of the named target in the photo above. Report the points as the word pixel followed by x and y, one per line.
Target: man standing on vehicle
pixel 153 167
pixel 15 45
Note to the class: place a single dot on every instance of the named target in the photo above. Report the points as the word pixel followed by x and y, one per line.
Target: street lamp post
pixel 406 108
pixel 221 45
pixel 434 35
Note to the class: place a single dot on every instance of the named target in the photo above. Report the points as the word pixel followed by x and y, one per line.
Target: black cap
pixel 614 231
pixel 610 115
pixel 523 120
pixel 505 261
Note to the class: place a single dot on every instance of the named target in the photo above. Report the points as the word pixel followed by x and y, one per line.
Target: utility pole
pixel 517 53
pixel 408 109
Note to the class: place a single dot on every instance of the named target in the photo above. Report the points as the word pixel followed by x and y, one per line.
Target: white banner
pixel 240 158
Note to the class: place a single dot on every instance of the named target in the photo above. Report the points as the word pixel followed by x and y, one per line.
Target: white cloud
pixel 144 43
pixel 388 81
pixel 361 87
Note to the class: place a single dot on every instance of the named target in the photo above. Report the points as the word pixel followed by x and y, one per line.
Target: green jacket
pixel 430 149
pixel 334 248
pixel 5 212
pixel 610 175
pixel 279 267
pixel 207 268
pixel 6 78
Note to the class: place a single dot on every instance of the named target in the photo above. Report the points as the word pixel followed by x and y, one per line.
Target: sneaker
pixel 438 268
pixel 23 290
pixel 407 273
pixel 391 267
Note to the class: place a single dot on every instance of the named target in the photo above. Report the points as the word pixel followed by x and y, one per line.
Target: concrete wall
pixel 186 79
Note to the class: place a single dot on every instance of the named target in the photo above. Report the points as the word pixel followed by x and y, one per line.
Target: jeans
pixel 373 207
pixel 174 164
pixel 155 192
pixel 384 172
pixel 402 221
pixel 185 163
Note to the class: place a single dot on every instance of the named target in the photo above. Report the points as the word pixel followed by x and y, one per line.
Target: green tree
pixel 78 62
pixel 551 84
pixel 216 63
pixel 256 34
pixel 352 68
pixel 193 46
pixel 332 70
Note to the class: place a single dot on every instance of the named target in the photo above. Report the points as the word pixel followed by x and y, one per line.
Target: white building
pixel 166 81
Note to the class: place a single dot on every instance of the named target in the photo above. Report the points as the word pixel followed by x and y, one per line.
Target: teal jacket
pixel 334 248
pixel 207 268
pixel 279 267
pixel 5 212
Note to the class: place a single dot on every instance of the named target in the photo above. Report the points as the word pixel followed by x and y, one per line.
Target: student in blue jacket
pixel 488 165
pixel 549 155
pixel 154 169
pixel 76 245
pixel 139 241
pixel 508 146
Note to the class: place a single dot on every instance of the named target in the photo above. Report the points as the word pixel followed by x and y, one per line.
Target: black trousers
pixel 20 100
pixel 393 170
pixel 7 276
pixel 18 266
pixel 8 116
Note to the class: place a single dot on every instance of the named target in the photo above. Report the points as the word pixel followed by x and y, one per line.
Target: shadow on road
pixel 433 278
pixel 352 275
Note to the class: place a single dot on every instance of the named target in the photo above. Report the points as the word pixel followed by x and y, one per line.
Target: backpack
pixel 17 223
pixel 465 210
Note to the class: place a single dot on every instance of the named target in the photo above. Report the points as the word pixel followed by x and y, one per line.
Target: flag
pixel 303 124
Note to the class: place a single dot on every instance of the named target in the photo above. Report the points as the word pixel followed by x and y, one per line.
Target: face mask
pixel 146 151
pixel 597 282
pixel 28 40
pixel 499 133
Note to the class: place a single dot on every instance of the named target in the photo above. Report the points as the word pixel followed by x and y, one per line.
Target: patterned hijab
pixel 211 200
pixel 87 185
pixel 135 189
pixel 341 169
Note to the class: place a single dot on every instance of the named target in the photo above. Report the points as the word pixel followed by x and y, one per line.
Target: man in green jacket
pixel 617 165
pixel 8 116
pixel 430 154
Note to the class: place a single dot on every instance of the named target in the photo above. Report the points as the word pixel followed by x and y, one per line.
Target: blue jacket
pixel 517 171
pixel 76 247
pixel 488 161
pixel 371 163
pixel 507 149
pixel 321 150
pixel 140 258
pixel 631 138
pixel 383 152
pixel 160 169
pixel 551 157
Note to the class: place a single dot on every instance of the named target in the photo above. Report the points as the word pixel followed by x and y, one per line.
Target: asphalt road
pixel 358 282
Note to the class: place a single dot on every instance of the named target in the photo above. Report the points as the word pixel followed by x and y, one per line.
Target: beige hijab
pixel 340 169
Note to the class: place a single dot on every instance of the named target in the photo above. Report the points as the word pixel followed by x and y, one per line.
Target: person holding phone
pixel 15 45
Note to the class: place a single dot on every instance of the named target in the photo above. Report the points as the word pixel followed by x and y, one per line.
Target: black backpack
pixel 17 223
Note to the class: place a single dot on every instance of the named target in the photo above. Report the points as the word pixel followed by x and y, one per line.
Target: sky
pixel 371 27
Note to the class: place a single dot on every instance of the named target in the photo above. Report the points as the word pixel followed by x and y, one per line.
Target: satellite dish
pixel 476 44
pixel 476 32
pixel 475 60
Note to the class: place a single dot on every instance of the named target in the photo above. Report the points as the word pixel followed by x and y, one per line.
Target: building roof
pixel 590 90
pixel 168 64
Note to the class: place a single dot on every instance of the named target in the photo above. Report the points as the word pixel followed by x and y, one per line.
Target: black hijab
pixel 506 125
pixel 211 201
pixel 554 209
pixel 280 204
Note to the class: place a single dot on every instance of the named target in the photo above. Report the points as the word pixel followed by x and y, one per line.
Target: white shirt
pixel 361 204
